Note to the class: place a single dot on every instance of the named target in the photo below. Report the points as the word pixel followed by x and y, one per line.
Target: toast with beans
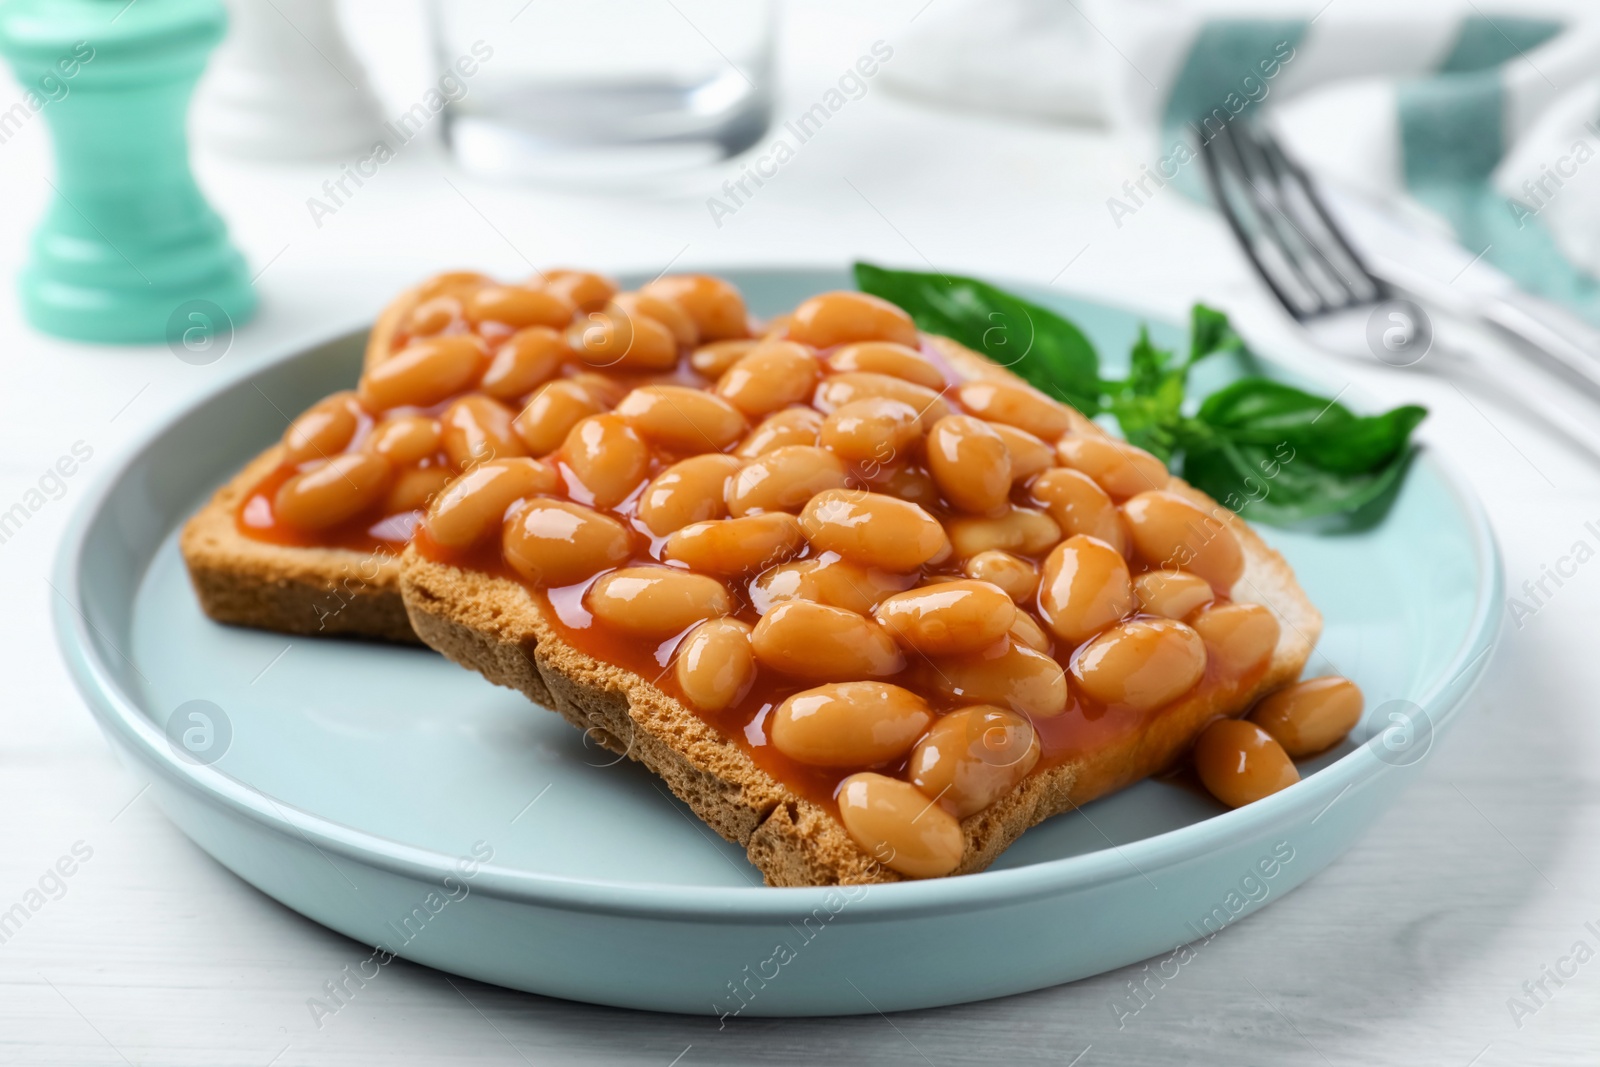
pixel 868 603
pixel 307 538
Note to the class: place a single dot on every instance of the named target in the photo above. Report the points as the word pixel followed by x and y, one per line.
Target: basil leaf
pixel 1264 412
pixel 1148 402
pixel 1037 344
pixel 1279 454
pixel 1210 332
pixel 1280 489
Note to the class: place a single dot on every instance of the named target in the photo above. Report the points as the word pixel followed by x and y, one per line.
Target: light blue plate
pixel 409 804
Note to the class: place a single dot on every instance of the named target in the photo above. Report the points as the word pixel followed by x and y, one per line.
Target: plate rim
pixel 118 712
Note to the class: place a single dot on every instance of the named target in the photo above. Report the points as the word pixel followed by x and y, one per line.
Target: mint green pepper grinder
pixel 129 250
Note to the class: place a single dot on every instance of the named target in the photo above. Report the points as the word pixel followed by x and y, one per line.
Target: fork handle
pixel 1495 372
pixel 1541 330
pixel 1527 321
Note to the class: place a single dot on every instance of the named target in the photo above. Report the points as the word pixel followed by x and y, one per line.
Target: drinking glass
pixel 603 91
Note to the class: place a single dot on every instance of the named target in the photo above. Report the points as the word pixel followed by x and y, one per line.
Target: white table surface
pixel 1405 951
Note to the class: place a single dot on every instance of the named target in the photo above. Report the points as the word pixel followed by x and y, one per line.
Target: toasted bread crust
pixel 496 627
pixel 319 591
pixel 322 591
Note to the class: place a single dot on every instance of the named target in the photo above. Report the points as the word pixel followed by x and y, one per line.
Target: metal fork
pixel 1278 215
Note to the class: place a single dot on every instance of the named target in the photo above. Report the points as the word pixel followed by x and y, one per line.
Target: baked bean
pixel 387 329
pixel 1311 716
pixel 810 640
pixel 1080 506
pixel 1018 577
pixel 476 428
pixel 1084 588
pixel 911 484
pixel 686 492
pixel 973 757
pixel 948 618
pixel 736 546
pixel 605 389
pixel 322 430
pixel 682 419
pixel 837 390
pixel 1029 455
pixel 1169 530
pixel 667 312
pixel 873 530
pixel 475 504
pixel 792 426
pixel 585 291
pixel 528 359
pixel 328 494
pixel 1240 638
pixel 828 581
pixel 1239 762
pixel 970 464
pixel 715 665
pixel 555 542
pixel 849 724
pixel 885 357
pixel 414 488
pixel 1008 674
pixel 1142 664
pixel 899 827
pixel 876 431
pixel 784 479
pixel 423 373
pixel 553 410
pixel 614 338
pixel 656 601
pixel 452 283
pixel 773 375
pixel 432 317
pixel 714 360
pixel 775 328
pixel 607 457
pixel 845 317
pixel 1116 466
pixel 1171 594
pixel 1020 530
pixel 1026 631
pixel 518 306
pixel 1016 405
pixel 715 306
pixel 405 440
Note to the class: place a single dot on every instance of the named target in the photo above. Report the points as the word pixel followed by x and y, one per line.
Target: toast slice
pixel 320 591
pixel 495 626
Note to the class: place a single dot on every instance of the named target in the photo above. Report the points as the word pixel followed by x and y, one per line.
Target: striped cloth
pixel 1486 119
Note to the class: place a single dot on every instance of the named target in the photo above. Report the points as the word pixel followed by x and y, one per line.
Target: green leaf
pixel 1210 332
pixel 1263 412
pixel 1037 344
pixel 1148 402
pixel 1254 481
pixel 1279 454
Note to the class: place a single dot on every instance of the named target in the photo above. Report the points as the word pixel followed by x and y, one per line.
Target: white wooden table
pixel 1406 951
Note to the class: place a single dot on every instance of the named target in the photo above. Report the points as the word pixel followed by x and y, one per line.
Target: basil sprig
pixel 1269 451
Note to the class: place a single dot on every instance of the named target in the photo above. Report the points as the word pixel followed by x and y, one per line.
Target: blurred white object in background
pixel 285 85
pixel 1039 58
pixel 605 92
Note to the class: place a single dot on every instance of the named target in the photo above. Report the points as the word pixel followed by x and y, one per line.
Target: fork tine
pixel 1228 188
pixel 1329 281
pixel 1330 240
